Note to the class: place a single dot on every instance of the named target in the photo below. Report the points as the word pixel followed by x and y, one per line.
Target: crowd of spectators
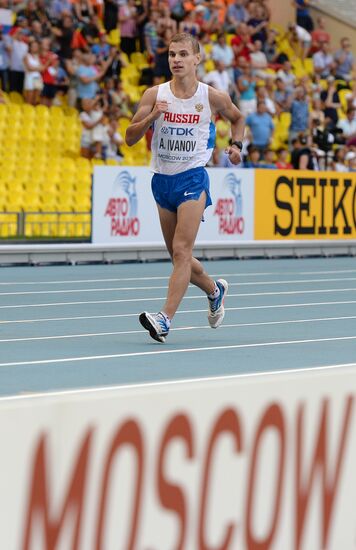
pixel 59 49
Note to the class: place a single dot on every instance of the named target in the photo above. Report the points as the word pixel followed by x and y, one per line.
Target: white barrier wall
pixel 124 211
pixel 254 462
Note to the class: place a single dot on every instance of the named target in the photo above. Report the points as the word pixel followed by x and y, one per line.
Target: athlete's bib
pixel 184 136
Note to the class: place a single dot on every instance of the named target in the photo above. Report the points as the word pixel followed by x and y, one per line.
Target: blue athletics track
pixel 69 327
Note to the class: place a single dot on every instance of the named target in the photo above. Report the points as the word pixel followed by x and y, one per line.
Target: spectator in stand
pixel 269 160
pixel 259 61
pixel 236 14
pixel 64 32
pixel 319 35
pixel 348 125
pixel 128 26
pixel 101 50
pixel 189 24
pixel 161 69
pixel 90 117
pixel 323 61
pixel 246 85
pixel 261 127
pixel 331 102
pixel 117 63
pixel 282 96
pixel 299 113
pixel 275 58
pixel 121 100
pixel 344 60
pixel 71 67
pixel 17 48
pixel 350 161
pixel 165 21
pixel 47 60
pixel 4 64
pixel 302 156
pixel 299 39
pixel 59 7
pixel 258 25
pixel 286 74
pixel 38 32
pixel 351 96
pixel 317 112
pixel 253 157
pixel 282 160
pixel 113 142
pixel 303 15
pixel 89 75
pixel 221 51
pixel 111 14
pixel 338 164
pixel 83 11
pixel 262 95
pixel 151 34
pixel 219 78
pixel 242 43
pixel 33 82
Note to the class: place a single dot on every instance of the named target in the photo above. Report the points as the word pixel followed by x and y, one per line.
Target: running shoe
pixel 216 311
pixel 155 324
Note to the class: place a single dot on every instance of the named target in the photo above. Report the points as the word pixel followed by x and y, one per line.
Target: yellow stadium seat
pixel 343 98
pixel 16 98
pixel 114 37
pixel 42 111
pixel 28 110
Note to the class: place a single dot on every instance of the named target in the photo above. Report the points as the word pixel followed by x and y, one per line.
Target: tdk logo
pixel 172 131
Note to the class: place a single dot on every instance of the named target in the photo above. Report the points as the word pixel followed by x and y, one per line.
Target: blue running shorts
pixel 171 191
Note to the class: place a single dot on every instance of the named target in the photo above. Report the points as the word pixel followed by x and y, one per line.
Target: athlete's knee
pixel 182 253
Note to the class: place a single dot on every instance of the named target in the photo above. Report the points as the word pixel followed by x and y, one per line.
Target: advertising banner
pixel 124 211
pixel 264 461
pixel 304 205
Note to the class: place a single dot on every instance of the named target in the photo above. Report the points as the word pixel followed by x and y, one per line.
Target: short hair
pixel 186 37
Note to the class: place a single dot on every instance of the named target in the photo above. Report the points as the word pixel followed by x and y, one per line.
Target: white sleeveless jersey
pixel 184 136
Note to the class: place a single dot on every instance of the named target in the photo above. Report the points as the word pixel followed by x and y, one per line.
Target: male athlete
pixel 181 112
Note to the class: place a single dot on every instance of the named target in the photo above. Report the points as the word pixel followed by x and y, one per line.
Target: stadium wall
pixel 282 12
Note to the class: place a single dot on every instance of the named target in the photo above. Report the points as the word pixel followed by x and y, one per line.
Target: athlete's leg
pixel 199 276
pixel 188 220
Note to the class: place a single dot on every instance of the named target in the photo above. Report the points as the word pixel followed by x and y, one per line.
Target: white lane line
pixel 200 327
pixel 164 278
pixel 161 298
pixel 180 312
pixel 168 383
pixel 171 351
pixel 135 288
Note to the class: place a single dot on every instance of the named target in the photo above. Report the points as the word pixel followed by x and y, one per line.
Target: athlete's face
pixel 182 59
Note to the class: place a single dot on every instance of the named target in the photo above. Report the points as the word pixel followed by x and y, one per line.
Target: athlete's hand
pixel 160 107
pixel 234 154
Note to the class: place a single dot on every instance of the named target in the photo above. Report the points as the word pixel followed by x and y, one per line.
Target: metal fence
pixel 45 225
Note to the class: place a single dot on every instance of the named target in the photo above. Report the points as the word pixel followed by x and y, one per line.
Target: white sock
pixel 214 294
pixel 166 318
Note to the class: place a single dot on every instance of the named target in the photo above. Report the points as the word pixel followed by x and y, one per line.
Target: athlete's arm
pixel 221 104
pixel 148 111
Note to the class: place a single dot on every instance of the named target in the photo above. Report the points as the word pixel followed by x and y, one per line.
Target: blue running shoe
pixel 155 324
pixel 216 311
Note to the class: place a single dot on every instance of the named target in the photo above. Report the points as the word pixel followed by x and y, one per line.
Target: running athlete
pixel 180 112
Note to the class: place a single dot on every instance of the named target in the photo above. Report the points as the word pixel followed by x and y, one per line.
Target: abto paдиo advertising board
pixel 124 211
